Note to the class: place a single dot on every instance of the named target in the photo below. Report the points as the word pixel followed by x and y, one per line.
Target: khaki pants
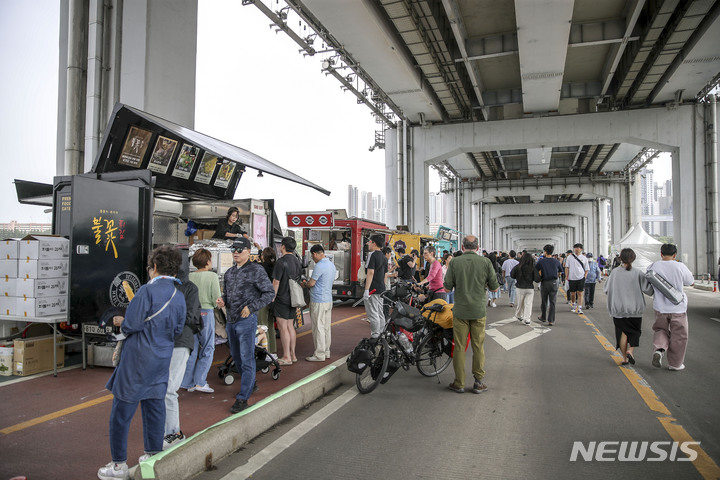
pixel 321 314
pixel 476 330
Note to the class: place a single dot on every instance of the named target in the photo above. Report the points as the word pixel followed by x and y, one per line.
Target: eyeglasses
pixel 237 249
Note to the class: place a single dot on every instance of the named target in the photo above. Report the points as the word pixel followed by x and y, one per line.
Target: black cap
pixel 242 242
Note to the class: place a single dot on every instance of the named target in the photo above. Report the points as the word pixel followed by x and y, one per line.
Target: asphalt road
pixel 548 390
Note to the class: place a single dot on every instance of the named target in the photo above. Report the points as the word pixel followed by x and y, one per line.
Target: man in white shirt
pixel 507 267
pixel 671 324
pixel 576 269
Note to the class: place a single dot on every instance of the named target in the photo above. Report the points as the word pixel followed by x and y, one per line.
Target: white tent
pixel 646 248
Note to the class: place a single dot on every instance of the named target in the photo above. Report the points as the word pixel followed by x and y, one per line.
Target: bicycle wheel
pixel 429 357
pixel 373 374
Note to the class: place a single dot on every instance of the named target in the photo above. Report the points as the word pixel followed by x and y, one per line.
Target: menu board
pixel 225 174
pixel 136 144
pixel 207 168
pixel 185 161
pixel 163 153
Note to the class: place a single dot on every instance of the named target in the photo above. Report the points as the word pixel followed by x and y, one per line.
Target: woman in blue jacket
pixel 154 317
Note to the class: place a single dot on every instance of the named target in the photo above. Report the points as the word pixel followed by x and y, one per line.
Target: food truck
pixel 344 240
pixel 448 239
pixel 150 177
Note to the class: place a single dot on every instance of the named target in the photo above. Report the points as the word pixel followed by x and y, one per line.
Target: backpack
pixel 361 355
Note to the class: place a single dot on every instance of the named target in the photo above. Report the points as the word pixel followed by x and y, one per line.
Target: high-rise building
pixel 352 201
pixel 647 197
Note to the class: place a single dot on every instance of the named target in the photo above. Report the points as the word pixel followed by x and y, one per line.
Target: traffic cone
pixel 714 286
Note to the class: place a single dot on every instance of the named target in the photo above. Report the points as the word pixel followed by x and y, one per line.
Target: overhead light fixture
pixel 260 174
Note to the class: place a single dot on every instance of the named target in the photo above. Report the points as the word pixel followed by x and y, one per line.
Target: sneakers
pixel 172 439
pixel 574 308
pixel 239 406
pixel 314 359
pixel 677 369
pixel 657 359
pixel 479 387
pixel 456 389
pixel 203 388
pixel 579 311
pixel 143 457
pixel 541 320
pixel 493 304
pixel 114 470
pixel 527 322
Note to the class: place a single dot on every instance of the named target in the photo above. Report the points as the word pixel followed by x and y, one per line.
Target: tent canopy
pixel 646 248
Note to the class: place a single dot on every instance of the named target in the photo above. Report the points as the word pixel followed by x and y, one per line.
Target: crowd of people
pixel 170 338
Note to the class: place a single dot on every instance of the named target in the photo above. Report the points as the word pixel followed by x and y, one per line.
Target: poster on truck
pixel 161 156
pixel 136 144
pixel 185 161
pixel 207 168
pixel 225 174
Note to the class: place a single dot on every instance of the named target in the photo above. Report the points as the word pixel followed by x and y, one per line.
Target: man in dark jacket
pixel 247 289
pixel 183 346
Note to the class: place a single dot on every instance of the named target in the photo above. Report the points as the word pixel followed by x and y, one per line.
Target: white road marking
pixel 508 343
pixel 267 454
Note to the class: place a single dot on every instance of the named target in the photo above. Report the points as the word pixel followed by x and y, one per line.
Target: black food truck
pixel 150 178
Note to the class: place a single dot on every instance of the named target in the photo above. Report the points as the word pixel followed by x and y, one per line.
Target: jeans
pixel 153 419
pixel 241 338
pixel 590 294
pixel 510 283
pixel 198 365
pixel 178 362
pixel 476 330
pixel 548 293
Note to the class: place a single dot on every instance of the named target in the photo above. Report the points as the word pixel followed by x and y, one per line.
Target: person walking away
pixel 626 289
pixel 375 283
pixel 671 323
pixel 247 290
pixel 185 343
pixel 434 278
pixel 287 267
pixel 593 276
pixel 506 268
pixel 321 302
pixel 203 352
pixel 265 315
pixel 525 274
pixel 154 317
pixel 406 266
pixel 549 269
pixel 602 263
pixel 493 295
pixel 576 268
pixel 471 275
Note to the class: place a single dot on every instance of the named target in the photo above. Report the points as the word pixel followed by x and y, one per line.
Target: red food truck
pixel 344 240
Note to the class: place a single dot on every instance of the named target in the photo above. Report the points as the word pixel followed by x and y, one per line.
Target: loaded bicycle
pixel 375 360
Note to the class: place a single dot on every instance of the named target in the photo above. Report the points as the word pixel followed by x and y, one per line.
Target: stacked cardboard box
pixel 35 355
pixel 34 276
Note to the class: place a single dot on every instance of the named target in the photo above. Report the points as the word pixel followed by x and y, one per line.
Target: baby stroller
pixel 263 362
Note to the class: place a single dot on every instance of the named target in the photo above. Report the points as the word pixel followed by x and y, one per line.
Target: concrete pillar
pixel 602 238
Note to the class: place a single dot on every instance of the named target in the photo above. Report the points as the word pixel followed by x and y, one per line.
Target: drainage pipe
pixel 74 107
pixel 400 178
pixel 96 48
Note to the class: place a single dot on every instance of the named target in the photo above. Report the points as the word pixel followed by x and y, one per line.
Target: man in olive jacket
pixel 469 274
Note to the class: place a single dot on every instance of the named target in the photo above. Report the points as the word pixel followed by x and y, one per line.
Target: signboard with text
pixel 310 220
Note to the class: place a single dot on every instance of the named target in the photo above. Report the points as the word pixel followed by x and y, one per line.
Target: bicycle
pixel 375 360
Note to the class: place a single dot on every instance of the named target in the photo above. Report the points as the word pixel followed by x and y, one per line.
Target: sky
pixel 254 90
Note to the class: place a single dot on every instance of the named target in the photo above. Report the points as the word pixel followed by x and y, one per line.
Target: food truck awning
pixel 129 125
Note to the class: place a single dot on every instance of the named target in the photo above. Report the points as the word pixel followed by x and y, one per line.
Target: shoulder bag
pixel 666 288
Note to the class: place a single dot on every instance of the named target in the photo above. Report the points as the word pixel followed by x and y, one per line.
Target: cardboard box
pixel 8 268
pixel 8 305
pixel 43 268
pixel 35 355
pixel 202 234
pixel 40 247
pixel 8 287
pixel 9 249
pixel 40 287
pixel 41 306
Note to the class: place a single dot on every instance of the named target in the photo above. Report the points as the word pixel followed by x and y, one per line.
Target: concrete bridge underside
pixel 679 130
